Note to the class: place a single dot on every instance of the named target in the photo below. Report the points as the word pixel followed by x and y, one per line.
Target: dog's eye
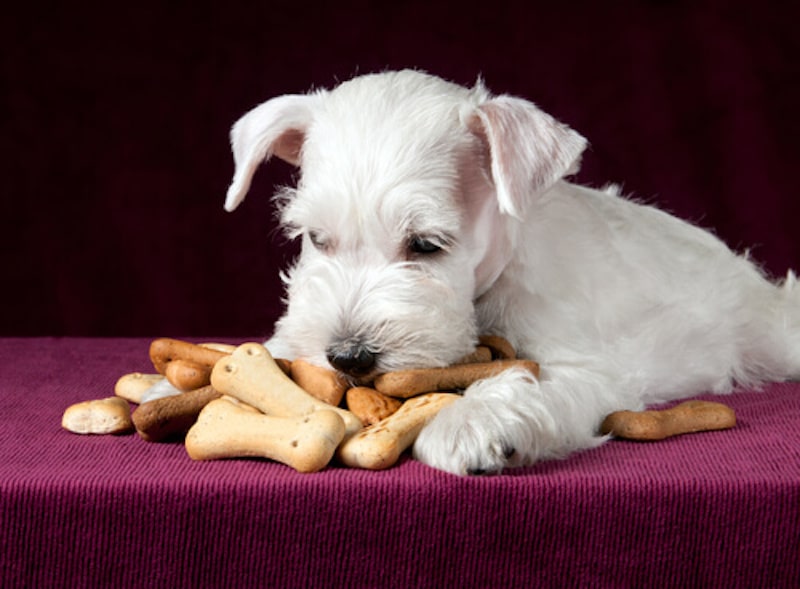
pixel 422 245
pixel 318 240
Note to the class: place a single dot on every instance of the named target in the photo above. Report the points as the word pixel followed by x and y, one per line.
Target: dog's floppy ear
pixel 276 127
pixel 529 149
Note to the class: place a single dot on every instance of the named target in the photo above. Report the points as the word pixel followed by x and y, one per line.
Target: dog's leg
pixel 513 420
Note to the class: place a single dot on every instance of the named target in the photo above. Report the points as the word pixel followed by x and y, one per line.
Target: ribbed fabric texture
pixel 718 509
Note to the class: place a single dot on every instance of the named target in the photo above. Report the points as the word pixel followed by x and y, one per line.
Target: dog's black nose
pixel 354 359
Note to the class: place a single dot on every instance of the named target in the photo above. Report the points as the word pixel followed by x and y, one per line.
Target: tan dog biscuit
pixel 408 383
pixel 324 384
pixel 687 417
pixel 100 416
pixel 369 405
pixel 252 376
pixel 132 386
pixel 306 443
pixel 169 417
pixel 380 445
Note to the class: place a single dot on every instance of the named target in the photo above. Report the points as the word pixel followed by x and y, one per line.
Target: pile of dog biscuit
pixel 237 401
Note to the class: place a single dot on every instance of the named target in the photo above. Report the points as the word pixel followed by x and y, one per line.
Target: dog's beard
pixel 399 312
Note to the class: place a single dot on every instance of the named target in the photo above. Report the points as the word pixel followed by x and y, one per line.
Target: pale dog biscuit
pixel 224 430
pixel 99 416
pixel 369 405
pixel 380 445
pixel 684 418
pixel 132 386
pixel 408 383
pixel 252 376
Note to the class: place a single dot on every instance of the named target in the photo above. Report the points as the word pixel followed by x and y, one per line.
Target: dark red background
pixel 114 154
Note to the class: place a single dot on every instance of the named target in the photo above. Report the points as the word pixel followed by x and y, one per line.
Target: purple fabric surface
pixel 114 156
pixel 717 509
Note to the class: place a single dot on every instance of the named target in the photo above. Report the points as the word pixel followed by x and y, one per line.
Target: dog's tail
pixel 773 352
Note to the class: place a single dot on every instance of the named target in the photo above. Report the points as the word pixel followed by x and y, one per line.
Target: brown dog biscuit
pixel 480 354
pixel 165 350
pixel 409 383
pixel 501 348
pixel 185 375
pixel 324 384
pixel 169 417
pixel 687 417
pixel 369 405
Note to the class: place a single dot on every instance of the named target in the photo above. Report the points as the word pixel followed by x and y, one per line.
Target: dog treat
pixel 284 365
pixel 100 416
pixel 501 348
pixel 171 416
pixel 324 384
pixel 165 350
pixel 408 383
pixel 306 443
pixel 132 386
pixel 240 404
pixel 252 376
pixel 481 354
pixel 380 445
pixel 185 375
pixel 687 417
pixel 224 348
pixel 369 405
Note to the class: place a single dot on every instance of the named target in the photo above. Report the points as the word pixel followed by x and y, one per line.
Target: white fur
pixel 622 304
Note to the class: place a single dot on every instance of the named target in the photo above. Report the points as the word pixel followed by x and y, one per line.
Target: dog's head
pixel 410 191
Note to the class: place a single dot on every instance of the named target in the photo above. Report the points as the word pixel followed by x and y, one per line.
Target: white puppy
pixel 431 213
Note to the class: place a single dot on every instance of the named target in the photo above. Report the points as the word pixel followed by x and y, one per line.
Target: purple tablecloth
pixel 713 509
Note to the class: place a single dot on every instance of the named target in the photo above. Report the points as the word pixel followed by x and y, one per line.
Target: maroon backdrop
pixel 114 155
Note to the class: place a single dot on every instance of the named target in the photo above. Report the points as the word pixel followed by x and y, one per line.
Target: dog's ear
pixel 529 150
pixel 276 127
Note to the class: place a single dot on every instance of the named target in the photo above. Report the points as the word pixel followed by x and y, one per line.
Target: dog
pixel 430 213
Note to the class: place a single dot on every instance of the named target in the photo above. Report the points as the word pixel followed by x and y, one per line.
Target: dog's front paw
pixel 495 425
pixel 457 443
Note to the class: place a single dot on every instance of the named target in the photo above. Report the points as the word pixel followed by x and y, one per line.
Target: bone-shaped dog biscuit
pixel 408 383
pixel 684 418
pixel 132 386
pixel 380 445
pixel 224 430
pixel 252 376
